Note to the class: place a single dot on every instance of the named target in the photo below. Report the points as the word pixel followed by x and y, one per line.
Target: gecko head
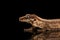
pixel 29 18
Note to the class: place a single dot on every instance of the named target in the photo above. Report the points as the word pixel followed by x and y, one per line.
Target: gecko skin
pixel 45 24
pixel 36 21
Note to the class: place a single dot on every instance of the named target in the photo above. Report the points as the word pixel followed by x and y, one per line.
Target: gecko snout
pixel 21 18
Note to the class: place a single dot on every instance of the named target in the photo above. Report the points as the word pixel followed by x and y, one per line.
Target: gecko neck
pixel 40 19
pixel 38 23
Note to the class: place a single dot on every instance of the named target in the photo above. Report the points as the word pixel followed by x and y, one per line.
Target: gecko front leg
pixel 29 30
pixel 34 30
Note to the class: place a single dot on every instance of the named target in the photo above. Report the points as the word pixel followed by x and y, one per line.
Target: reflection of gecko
pixel 48 36
pixel 36 21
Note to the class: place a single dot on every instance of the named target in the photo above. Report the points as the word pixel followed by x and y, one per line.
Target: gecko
pixel 36 21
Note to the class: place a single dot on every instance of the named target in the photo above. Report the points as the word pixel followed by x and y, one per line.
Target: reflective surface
pixel 47 36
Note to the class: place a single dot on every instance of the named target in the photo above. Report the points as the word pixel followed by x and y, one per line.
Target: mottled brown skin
pixel 45 24
pixel 36 21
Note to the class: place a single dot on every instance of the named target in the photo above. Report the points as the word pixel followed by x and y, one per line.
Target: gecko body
pixel 37 21
pixel 51 25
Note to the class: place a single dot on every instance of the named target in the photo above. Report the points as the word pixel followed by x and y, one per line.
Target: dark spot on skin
pixel 34 19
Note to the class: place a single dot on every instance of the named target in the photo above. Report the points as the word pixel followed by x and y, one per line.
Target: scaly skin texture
pixel 52 25
pixel 36 21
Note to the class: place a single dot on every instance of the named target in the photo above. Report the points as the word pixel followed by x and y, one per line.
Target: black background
pixel 44 9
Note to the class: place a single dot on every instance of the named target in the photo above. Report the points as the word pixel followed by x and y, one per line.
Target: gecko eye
pixel 27 17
